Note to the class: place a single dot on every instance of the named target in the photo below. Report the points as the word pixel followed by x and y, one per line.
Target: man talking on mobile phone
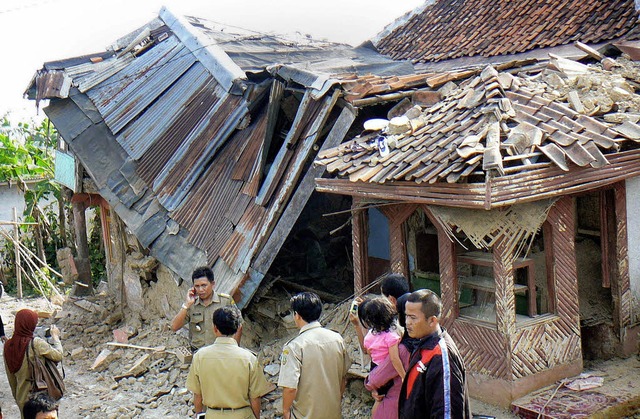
pixel 198 308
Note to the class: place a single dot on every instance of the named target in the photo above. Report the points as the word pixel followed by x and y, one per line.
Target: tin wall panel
pixel 143 133
pixel 139 97
pixel 107 94
pixel 197 106
pixel 192 157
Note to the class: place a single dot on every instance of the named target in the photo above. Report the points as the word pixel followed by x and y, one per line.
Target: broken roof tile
pixel 538 132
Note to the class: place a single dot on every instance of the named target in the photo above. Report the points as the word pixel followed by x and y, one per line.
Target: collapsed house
pixel 511 189
pixel 200 140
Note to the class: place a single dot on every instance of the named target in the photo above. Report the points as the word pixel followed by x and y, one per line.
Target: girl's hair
pixel 378 314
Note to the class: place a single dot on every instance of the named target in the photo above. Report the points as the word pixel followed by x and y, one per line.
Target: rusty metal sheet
pixel 193 155
pixel 197 105
pixel 142 133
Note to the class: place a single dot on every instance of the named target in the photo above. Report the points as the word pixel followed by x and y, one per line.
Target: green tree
pixel 27 153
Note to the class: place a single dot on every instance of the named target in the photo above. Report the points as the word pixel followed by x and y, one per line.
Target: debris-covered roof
pixel 449 29
pixel 497 124
pixel 174 125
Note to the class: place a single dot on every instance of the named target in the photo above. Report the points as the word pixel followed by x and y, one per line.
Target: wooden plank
pixel 275 98
pixel 286 187
pixel 622 255
pixel 301 196
pixel 359 227
pixel 279 162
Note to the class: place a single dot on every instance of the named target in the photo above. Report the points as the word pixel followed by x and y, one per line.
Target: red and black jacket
pixel 435 385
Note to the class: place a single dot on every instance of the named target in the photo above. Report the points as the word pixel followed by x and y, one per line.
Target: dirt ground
pixel 156 387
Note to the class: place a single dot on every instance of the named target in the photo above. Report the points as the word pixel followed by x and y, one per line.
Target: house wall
pixel 506 360
pixel 633 222
pixel 10 197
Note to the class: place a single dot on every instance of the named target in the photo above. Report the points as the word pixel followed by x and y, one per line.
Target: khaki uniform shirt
pixel 200 319
pixel 227 376
pixel 315 363
pixel 21 382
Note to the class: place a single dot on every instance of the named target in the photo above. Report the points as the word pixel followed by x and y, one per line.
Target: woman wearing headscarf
pixel 16 363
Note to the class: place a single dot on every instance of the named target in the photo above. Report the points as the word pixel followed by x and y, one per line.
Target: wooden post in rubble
pixel 16 232
pixel 84 285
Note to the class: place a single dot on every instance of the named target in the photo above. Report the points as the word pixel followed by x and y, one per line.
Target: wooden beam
pixel 301 196
pixel 622 255
pixel 286 187
pixel 16 232
pixel 275 98
pixel 360 249
pixel 505 297
pixel 507 190
pixel 278 164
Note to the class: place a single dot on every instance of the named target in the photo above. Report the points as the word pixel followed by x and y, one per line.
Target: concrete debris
pixel 78 353
pixel 102 361
pixel 67 265
pixel 272 369
pixel 89 306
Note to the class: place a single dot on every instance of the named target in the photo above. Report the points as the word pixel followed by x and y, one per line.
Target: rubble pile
pixel 115 370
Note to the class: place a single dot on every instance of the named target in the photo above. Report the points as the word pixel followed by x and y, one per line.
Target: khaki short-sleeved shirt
pixel 315 362
pixel 227 376
pixel 200 319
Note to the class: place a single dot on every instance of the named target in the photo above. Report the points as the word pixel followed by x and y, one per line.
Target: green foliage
pixel 26 153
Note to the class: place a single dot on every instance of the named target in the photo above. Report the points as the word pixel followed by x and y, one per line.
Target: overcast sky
pixel 35 31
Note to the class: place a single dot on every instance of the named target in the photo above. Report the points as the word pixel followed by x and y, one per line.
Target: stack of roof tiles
pixel 491 122
pixel 452 29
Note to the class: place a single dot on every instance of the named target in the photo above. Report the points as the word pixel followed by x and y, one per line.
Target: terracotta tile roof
pixel 462 28
pixel 493 122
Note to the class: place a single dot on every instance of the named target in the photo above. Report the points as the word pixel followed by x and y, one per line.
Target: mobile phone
pixel 201 415
pixel 354 307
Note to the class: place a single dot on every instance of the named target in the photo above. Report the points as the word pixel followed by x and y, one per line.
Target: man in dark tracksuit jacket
pixel 435 385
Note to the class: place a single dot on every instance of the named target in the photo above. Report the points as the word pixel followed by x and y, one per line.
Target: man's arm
pixel 179 320
pixel 288 396
pixel 197 401
pixel 255 406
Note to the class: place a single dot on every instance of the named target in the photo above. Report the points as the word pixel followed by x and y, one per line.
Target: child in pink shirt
pixel 382 339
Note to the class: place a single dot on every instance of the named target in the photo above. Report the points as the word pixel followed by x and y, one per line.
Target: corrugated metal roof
pixel 142 133
pixel 164 130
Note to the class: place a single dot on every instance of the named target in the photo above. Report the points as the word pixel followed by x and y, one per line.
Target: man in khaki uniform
pixel 198 308
pixel 313 365
pixel 227 381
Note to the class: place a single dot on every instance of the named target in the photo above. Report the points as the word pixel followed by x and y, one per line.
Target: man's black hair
pixel 431 304
pixel 202 272
pixel 39 403
pixel 308 305
pixel 394 285
pixel 227 319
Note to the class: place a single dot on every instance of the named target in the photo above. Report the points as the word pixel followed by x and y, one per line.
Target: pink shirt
pixel 378 344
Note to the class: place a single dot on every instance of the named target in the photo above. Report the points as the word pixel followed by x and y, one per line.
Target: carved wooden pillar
pixel 396 216
pixel 552 298
pixel 505 297
pixel 359 240
pixel 621 279
pixel 562 218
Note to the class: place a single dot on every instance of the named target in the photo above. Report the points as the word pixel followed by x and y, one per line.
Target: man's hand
pixel 191 297
pixel 55 332
pixel 377 397
pixel 353 316
pixel 3 339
